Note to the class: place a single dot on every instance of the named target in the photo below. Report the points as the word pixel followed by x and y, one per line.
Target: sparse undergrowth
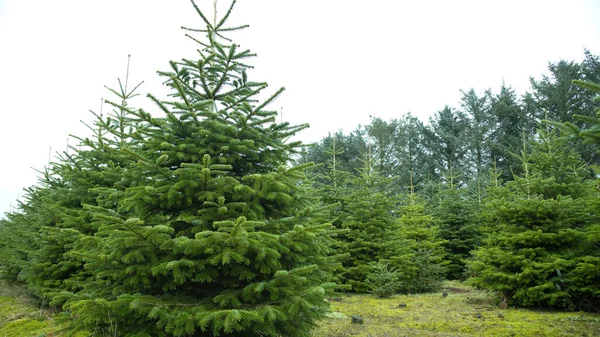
pixel 461 313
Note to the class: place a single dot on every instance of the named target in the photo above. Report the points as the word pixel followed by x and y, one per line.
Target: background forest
pixel 209 221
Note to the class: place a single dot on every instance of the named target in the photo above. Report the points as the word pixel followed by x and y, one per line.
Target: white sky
pixel 340 60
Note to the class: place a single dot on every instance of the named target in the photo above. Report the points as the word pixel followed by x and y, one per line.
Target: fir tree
pixel 413 161
pixel 330 187
pixel 478 110
pixel 214 235
pixel 384 280
pixel 444 139
pixel 560 98
pixel 511 117
pixel 351 146
pixel 488 219
pixel 423 251
pixel 332 182
pixel 586 276
pixel 16 240
pixel 383 137
pixel 591 133
pixel 530 257
pixel 455 211
pixel 372 235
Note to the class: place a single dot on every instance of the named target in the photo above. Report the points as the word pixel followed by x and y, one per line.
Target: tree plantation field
pixel 205 218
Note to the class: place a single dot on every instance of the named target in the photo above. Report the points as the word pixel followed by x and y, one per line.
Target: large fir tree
pixel 195 226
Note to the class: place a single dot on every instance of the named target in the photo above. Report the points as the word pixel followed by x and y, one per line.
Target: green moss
pixel 466 313
pixel 9 307
pixel 20 317
pixel 24 327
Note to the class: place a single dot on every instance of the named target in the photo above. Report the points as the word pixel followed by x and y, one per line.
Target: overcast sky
pixel 340 60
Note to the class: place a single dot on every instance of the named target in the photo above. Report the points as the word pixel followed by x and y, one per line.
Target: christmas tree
pixel 586 275
pixel 456 217
pixel 214 234
pixel 530 257
pixel 423 251
pixel 372 229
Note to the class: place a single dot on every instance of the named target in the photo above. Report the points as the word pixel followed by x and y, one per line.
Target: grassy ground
pixel 464 312
pixel 20 316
